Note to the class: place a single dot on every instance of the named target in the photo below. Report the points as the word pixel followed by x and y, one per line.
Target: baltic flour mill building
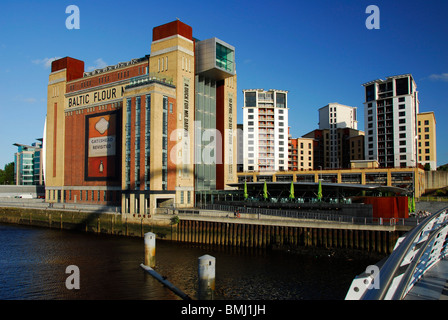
pixel 151 132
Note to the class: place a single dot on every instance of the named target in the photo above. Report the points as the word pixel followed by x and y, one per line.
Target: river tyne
pixel 33 264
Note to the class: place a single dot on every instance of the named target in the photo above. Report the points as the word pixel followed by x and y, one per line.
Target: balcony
pixel 149 78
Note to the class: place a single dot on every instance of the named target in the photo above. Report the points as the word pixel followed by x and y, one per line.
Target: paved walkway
pixel 433 285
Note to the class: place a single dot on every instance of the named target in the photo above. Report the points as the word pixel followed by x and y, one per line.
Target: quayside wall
pixel 288 235
pixel 221 231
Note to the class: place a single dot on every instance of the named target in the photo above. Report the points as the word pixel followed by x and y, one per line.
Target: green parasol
pixel 291 191
pixel 319 191
pixel 265 191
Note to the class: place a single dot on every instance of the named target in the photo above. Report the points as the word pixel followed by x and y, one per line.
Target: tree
pixel 427 167
pixel 7 175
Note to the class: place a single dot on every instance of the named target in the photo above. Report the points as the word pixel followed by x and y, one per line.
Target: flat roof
pixel 353 186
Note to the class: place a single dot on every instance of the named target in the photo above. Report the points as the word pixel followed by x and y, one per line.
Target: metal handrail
pixel 393 263
pixel 401 290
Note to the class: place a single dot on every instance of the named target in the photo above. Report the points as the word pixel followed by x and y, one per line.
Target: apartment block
pixel 333 117
pixel 390 112
pixel 301 154
pixel 337 147
pixel 426 130
pixel 265 122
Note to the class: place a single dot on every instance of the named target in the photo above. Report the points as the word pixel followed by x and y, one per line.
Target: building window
pixel 165 144
pixel 137 142
pixel 147 139
pixel 128 144
pixel 426 122
pixel 250 99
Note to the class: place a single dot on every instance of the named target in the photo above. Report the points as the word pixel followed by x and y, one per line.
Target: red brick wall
pixel 75 156
pixel 172 28
pixel 105 78
pixel 75 67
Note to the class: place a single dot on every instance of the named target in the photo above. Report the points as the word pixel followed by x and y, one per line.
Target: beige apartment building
pixel 426 133
pixel 301 154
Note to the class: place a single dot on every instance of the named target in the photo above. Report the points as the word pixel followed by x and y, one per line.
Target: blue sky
pixel 320 51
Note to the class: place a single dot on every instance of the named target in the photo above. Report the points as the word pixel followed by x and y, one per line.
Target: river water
pixel 33 264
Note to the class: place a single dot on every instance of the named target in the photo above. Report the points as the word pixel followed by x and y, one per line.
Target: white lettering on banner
pixel 102 146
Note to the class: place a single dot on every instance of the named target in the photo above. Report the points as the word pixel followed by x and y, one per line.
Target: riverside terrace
pixel 367 201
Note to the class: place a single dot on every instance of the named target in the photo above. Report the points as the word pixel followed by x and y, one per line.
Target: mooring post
pixel 150 249
pixel 206 277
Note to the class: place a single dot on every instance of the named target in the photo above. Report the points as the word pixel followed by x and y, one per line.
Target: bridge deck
pixel 433 285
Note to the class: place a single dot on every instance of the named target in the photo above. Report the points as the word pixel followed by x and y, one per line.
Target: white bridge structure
pixel 417 269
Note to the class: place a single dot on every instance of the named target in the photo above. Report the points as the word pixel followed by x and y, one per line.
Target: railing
pixel 212 210
pixel 146 78
pixel 414 254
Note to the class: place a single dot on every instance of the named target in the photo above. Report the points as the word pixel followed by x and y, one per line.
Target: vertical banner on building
pixel 230 133
pixel 101 146
pixel 186 135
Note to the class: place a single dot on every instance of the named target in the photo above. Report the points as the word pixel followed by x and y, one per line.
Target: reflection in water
pixel 33 263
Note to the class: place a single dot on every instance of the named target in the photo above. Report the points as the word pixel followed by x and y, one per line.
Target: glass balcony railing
pixel 146 78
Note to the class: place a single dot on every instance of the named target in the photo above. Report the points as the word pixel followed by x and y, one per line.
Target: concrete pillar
pixel 150 249
pixel 206 277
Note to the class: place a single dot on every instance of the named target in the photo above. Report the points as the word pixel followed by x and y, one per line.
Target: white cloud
pixel 439 77
pixel 46 62
pixel 99 64
pixel 29 100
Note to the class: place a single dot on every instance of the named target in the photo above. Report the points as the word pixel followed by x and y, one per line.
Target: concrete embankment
pixel 97 222
pixel 221 231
